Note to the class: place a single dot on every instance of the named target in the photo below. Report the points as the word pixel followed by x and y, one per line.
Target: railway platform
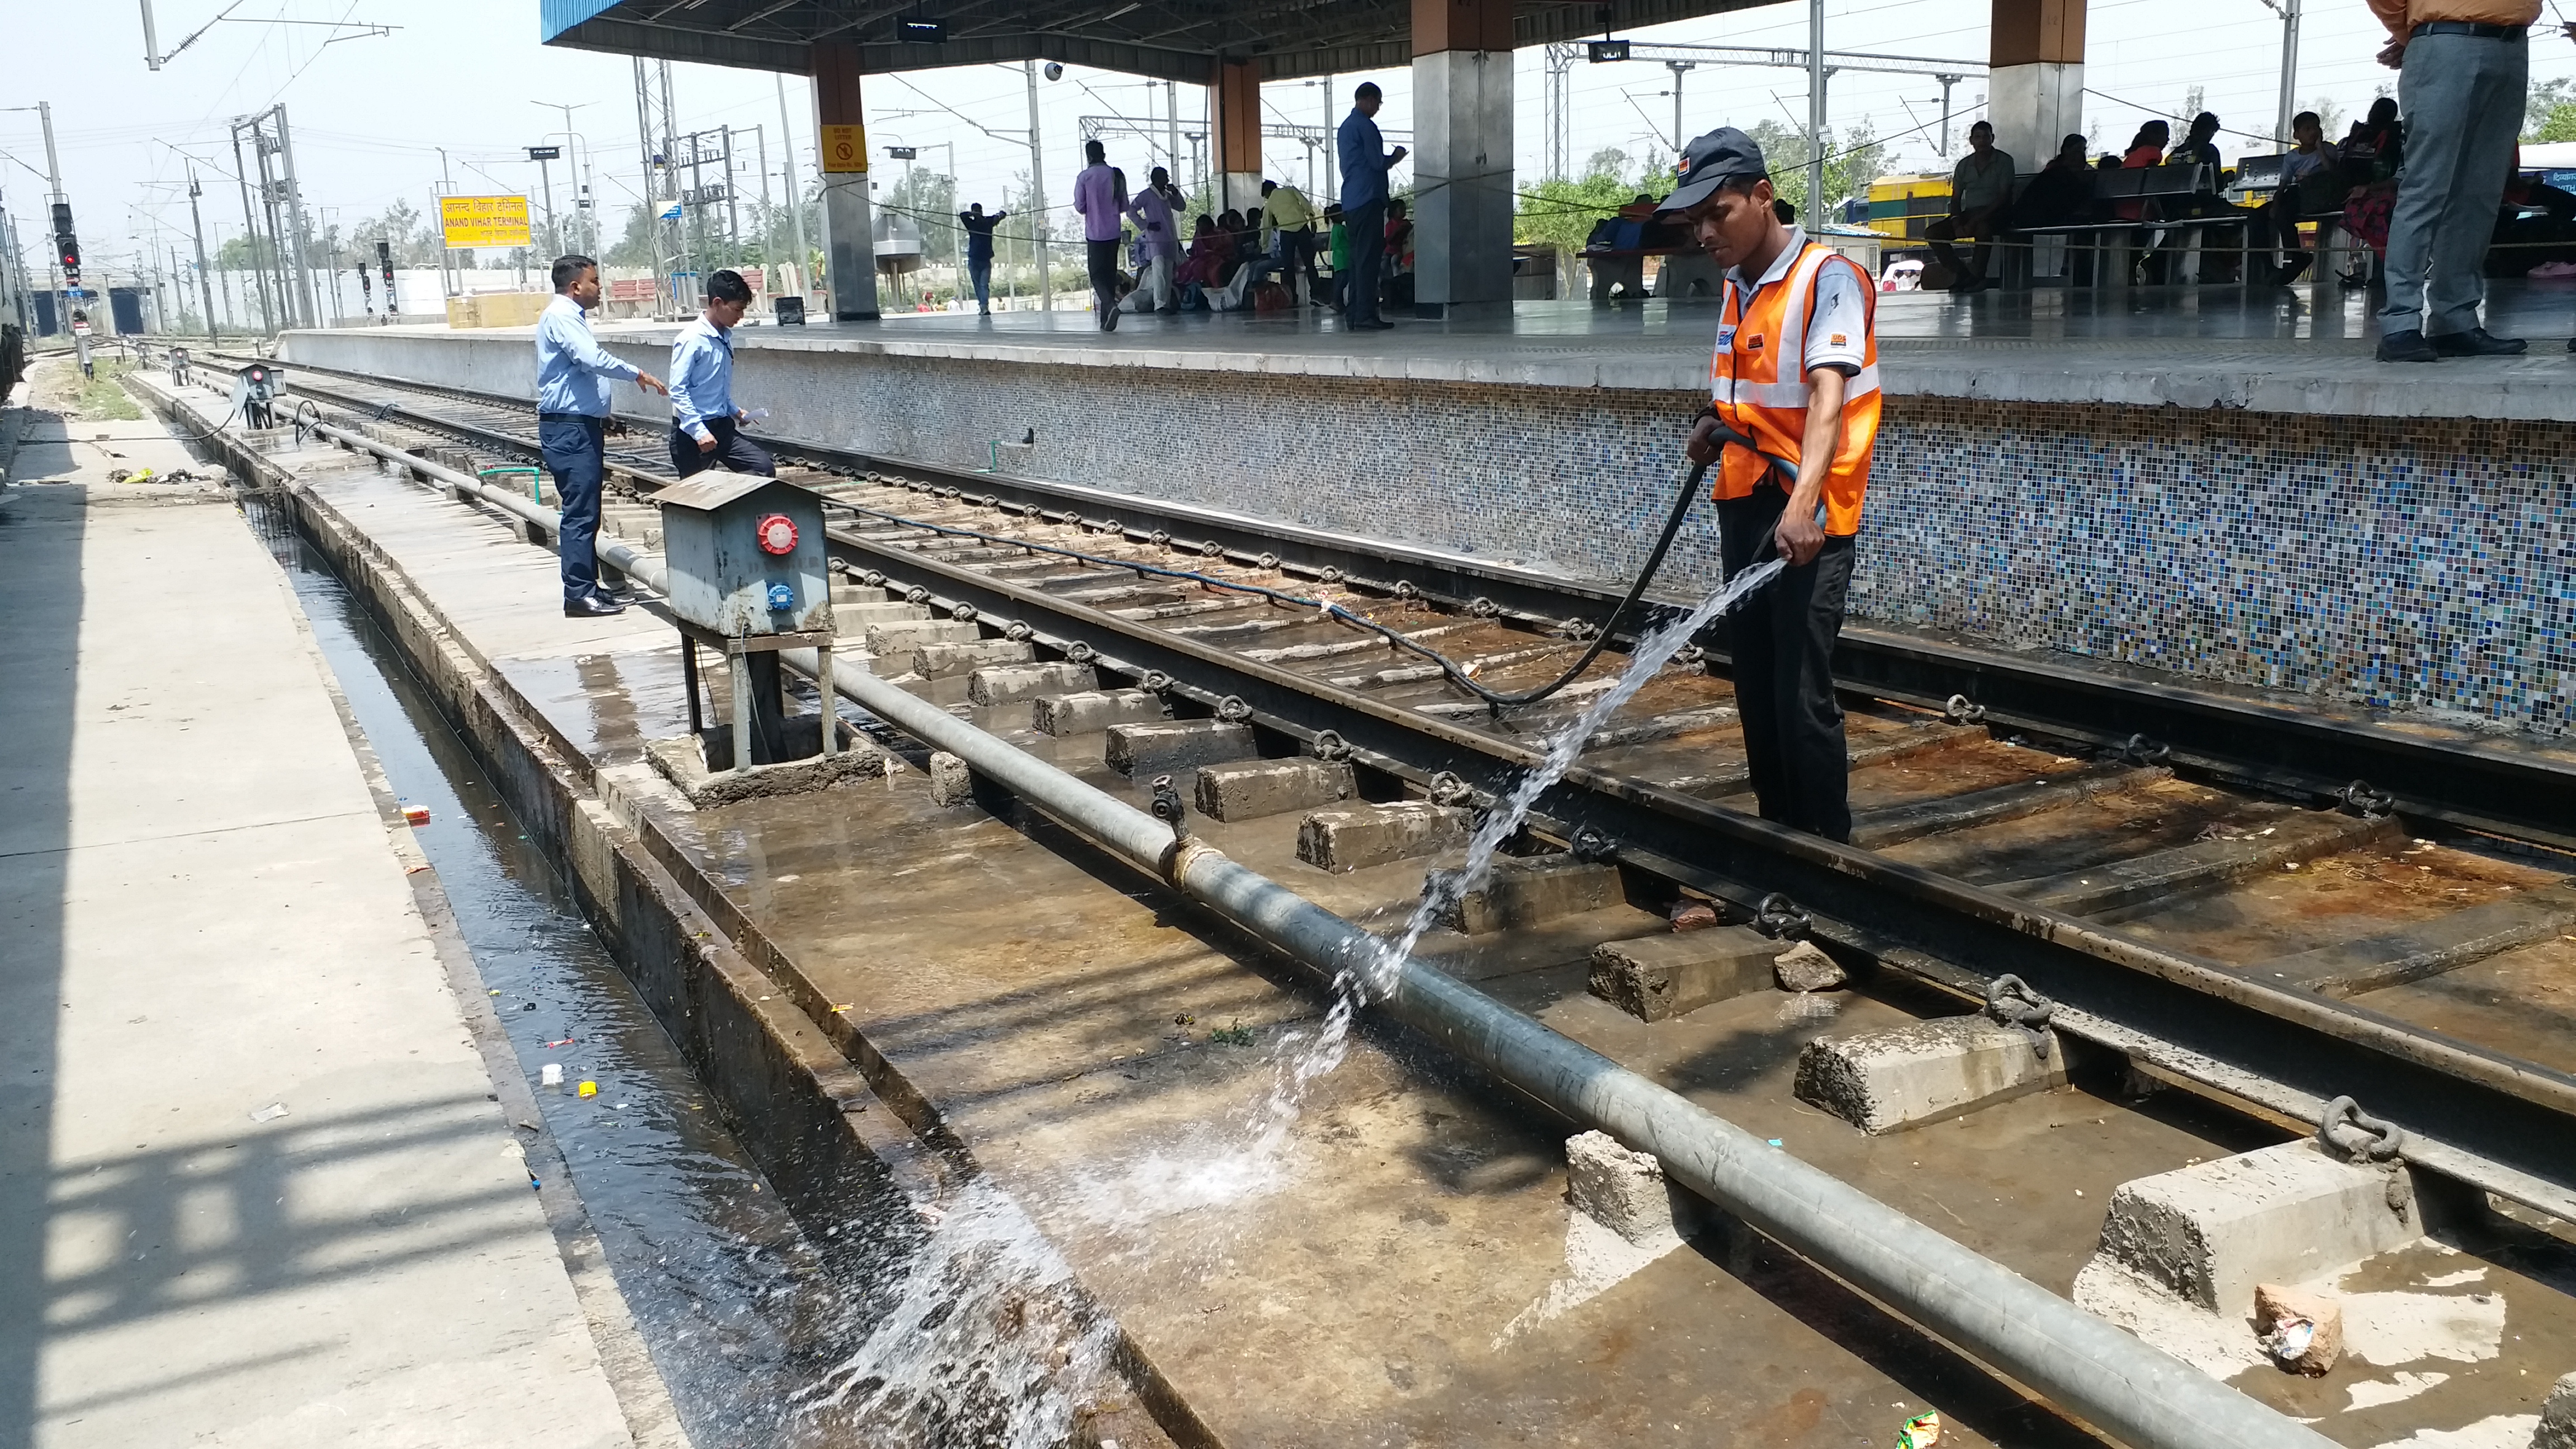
pixel 259 1186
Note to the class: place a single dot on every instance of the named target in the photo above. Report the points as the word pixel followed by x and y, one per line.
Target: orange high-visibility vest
pixel 1758 384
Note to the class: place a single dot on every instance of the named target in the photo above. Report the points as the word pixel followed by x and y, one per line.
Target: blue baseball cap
pixel 1711 161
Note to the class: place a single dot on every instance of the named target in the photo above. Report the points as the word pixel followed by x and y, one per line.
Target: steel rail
pixel 2492 1121
pixel 2463 781
pixel 2102 1374
pixel 2502 1124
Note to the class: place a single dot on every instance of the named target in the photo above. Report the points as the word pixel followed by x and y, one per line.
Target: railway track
pixel 2120 874
pixel 2220 908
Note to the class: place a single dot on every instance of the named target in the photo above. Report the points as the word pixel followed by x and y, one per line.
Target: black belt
pixel 2463 27
pixel 570 418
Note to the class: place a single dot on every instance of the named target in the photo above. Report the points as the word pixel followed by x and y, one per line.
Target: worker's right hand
pixel 650 383
pixel 1703 446
pixel 707 444
pixel 1397 155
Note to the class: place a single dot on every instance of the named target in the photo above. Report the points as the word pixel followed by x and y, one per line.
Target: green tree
pixel 640 243
pixel 1850 166
pixel 2545 106
pixel 929 198
pixel 1564 212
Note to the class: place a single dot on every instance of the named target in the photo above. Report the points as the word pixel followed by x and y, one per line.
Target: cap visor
pixel 1691 195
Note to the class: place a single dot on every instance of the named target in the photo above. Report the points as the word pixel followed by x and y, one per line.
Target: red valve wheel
pixel 777 534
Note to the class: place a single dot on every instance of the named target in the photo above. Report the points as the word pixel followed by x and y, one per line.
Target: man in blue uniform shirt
pixel 573 374
pixel 705 425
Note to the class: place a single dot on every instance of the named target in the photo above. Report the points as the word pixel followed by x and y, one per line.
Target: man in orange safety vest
pixel 1791 422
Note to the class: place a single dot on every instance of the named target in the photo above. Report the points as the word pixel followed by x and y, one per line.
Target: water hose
pixel 1449 668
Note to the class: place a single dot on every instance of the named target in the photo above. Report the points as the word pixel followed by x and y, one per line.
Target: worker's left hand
pixel 741 418
pixel 1800 539
pixel 707 444
pixel 2393 54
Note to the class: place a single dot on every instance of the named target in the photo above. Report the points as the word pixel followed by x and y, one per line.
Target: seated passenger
pixel 2276 222
pixel 1980 188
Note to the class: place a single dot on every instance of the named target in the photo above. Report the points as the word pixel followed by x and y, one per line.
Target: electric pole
pixel 197 226
pixel 1815 114
pixel 1037 194
pixel 795 189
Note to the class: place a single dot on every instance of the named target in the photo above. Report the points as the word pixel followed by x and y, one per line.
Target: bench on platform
pixel 2114 239
pixel 1687 271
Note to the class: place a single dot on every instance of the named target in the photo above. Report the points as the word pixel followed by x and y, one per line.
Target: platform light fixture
pixel 921 32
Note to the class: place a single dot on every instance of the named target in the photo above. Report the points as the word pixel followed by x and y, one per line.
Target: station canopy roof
pixel 1166 39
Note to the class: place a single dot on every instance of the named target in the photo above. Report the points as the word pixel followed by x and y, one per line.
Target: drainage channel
pixel 734 1302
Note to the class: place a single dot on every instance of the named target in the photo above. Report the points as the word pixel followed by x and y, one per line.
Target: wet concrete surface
pixel 1398 1272
pixel 736 1308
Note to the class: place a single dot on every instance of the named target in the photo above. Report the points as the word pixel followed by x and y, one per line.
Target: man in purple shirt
pixel 1095 195
pixel 1160 232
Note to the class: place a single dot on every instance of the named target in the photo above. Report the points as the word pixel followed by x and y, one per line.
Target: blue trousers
pixel 732 449
pixel 576 453
pixel 981 273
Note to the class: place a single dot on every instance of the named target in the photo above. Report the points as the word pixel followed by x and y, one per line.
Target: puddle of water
pixel 737 1306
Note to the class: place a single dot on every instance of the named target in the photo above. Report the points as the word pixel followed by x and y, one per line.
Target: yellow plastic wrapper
pixel 591 1089
pixel 1920 1432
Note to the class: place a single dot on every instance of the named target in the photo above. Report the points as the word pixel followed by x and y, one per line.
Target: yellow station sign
pixel 484 221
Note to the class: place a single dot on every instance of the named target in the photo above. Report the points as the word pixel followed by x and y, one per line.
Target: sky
pixel 371 112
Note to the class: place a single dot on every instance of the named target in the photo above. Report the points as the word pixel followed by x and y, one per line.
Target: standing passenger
pixel 705 425
pixel 1095 195
pixel 573 373
pixel 979 253
pixel 2463 68
pixel 1158 228
pixel 1812 420
pixel 1365 162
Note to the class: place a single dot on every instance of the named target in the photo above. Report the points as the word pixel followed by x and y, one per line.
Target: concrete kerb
pixel 832 1123
pixel 830 1120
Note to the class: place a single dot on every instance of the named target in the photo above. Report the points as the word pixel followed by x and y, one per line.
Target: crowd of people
pixel 1271 257
pixel 2428 182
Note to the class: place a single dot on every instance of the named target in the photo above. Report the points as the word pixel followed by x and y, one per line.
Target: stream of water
pixel 1302 1059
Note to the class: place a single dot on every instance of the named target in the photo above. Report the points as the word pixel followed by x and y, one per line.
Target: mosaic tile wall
pixel 2398 563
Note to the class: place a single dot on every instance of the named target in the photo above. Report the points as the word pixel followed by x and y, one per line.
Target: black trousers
pixel 1103 258
pixel 732 449
pixel 1782 640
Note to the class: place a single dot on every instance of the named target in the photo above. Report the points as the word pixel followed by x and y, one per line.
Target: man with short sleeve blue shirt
pixel 573 375
pixel 706 427
pixel 1365 162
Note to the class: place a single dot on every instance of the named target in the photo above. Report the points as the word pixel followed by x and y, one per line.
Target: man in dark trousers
pixel 1102 201
pixel 1365 162
pixel 706 428
pixel 573 376
pixel 1792 420
pixel 979 253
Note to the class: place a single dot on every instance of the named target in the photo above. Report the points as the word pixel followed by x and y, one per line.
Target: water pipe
pixel 2139 1394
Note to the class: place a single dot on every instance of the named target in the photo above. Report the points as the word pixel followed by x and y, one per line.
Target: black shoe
pixel 1967 286
pixel 2476 342
pixel 1109 320
pixel 2406 346
pixel 2295 268
pixel 1378 324
pixel 593 607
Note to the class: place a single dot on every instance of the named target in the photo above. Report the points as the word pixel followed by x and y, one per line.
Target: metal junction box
pixel 745 555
